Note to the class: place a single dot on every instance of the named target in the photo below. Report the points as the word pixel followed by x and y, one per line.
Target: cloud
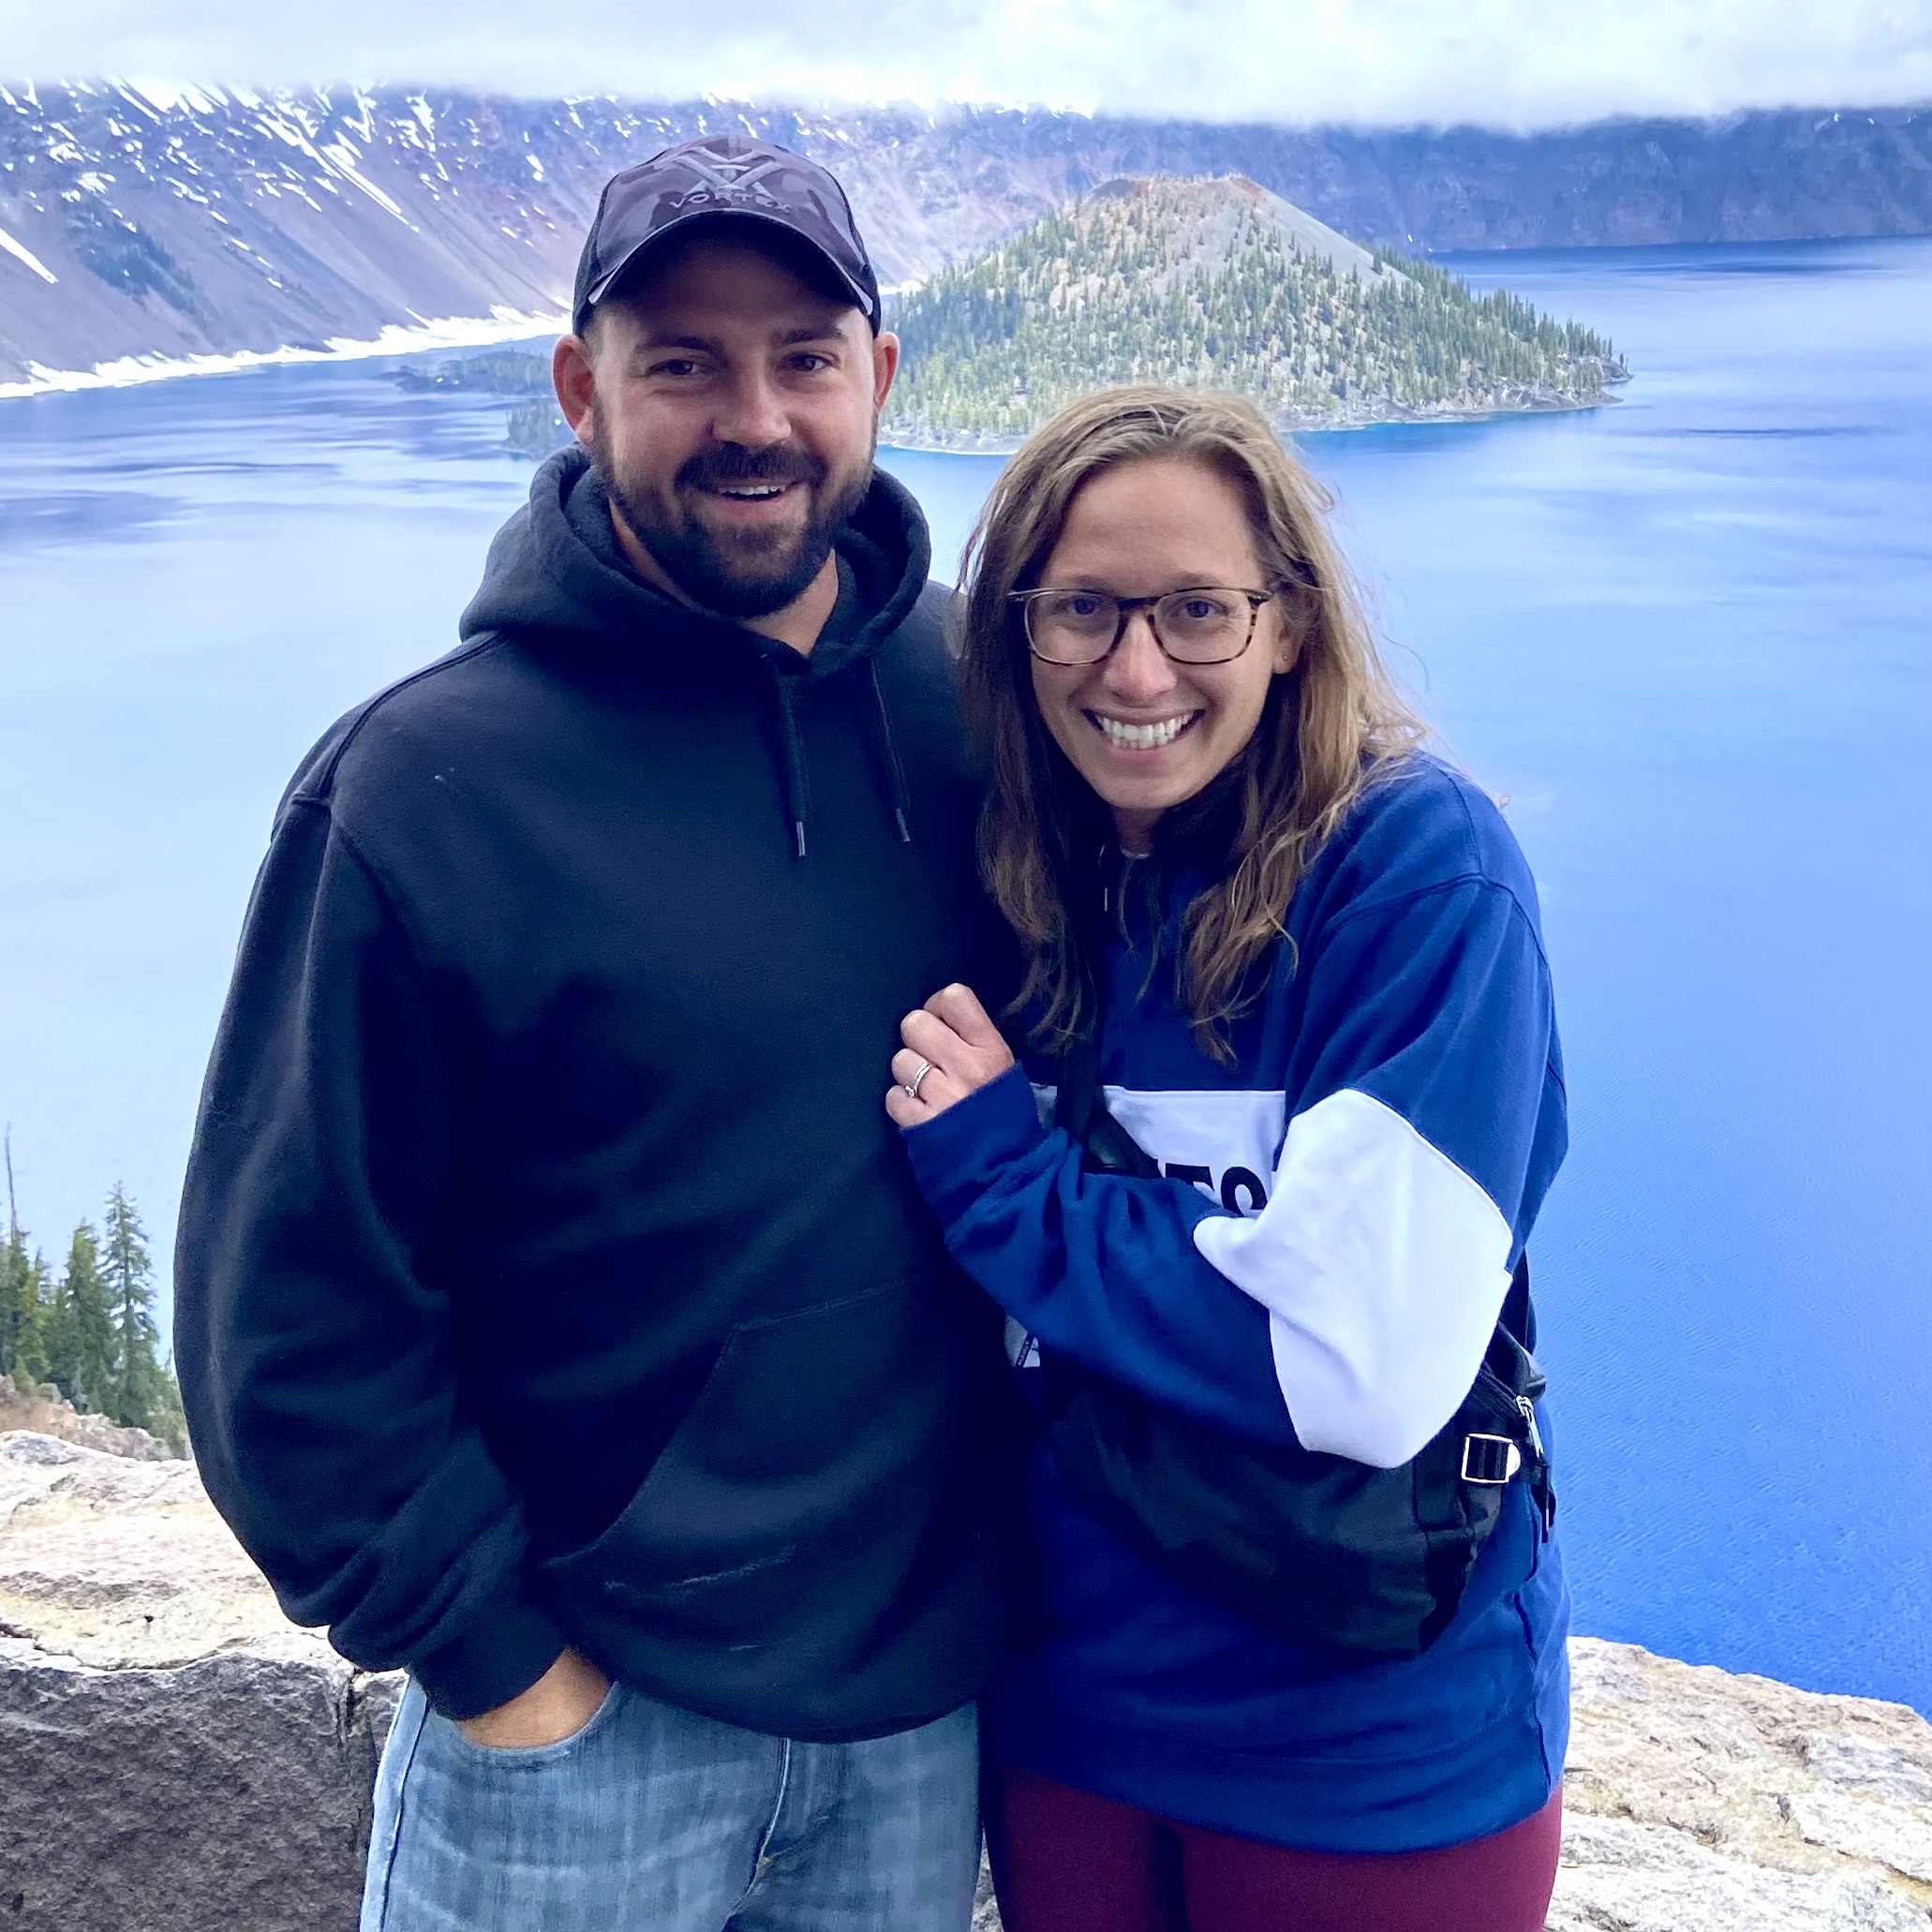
pixel 1511 63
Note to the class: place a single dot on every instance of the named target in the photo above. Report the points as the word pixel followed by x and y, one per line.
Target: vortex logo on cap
pixel 722 179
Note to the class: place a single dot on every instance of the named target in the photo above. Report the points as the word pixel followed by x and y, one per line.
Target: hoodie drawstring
pixel 901 799
pixel 797 781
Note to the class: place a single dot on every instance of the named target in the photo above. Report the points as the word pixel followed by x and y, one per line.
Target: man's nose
pixel 1139 671
pixel 752 413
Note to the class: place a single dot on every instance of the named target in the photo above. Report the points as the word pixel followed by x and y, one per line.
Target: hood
pixel 554 577
pixel 544 583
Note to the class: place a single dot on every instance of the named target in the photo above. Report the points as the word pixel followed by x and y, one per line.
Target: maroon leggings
pixel 1065 1860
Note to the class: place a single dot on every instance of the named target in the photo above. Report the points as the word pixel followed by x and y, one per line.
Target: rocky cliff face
pixel 176 223
pixel 178 1759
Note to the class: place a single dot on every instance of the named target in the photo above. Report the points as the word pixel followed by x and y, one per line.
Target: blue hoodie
pixel 1325 1262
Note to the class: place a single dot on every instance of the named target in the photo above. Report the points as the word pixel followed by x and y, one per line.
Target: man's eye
pixel 811 361
pixel 675 365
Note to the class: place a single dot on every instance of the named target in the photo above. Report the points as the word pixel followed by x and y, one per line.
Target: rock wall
pixel 176 1759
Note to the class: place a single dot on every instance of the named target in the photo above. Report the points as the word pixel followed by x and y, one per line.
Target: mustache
pixel 728 463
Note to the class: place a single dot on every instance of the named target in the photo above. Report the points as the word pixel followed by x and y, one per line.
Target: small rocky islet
pixel 1219 285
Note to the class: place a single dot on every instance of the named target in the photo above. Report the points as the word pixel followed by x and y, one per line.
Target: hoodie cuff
pixel 515 1644
pixel 960 1153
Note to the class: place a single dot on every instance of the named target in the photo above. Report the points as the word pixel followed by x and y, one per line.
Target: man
pixel 557 1315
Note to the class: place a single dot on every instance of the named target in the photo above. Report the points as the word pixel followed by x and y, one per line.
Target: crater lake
pixel 1687 637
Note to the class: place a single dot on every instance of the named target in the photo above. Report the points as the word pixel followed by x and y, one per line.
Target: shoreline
pixel 513 325
pixel 397 338
pixel 1307 422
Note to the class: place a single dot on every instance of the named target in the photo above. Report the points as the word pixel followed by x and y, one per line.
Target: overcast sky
pixel 1519 63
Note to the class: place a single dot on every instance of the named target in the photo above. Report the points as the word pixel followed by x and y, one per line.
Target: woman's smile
pixel 1138 737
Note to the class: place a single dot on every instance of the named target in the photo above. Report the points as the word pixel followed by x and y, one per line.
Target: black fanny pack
pixel 1320 1549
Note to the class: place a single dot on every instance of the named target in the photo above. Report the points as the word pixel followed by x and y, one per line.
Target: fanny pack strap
pixel 1078 1107
pixel 1079 1082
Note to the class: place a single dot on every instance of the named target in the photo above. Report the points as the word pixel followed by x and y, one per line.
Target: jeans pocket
pixel 531 1756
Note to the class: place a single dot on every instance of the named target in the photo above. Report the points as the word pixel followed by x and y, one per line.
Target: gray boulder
pixel 176 1757
pixel 229 1794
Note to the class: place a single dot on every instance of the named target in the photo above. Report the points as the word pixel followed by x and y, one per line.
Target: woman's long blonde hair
pixel 1330 727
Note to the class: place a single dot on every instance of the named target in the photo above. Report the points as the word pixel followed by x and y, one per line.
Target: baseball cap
pixel 714 176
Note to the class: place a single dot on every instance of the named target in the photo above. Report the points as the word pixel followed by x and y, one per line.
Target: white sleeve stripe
pixel 1383 1268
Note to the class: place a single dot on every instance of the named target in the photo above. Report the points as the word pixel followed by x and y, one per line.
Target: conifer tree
pixel 81 1343
pixel 30 1363
pixel 14 1276
pixel 137 1399
pixel 16 1282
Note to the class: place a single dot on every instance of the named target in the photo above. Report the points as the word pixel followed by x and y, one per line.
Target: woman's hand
pixel 558 1705
pixel 957 1046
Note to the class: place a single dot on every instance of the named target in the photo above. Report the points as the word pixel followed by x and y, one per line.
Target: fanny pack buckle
pixel 1490 1460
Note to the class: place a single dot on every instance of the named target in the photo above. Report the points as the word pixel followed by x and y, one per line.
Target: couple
pixel 751 1483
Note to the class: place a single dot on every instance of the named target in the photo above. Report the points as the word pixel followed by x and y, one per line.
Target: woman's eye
pixel 1082 609
pixel 1203 610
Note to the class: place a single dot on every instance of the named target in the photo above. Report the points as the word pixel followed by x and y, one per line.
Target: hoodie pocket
pixel 801 1467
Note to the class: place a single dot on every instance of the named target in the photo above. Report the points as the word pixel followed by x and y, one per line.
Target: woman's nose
pixel 1138 671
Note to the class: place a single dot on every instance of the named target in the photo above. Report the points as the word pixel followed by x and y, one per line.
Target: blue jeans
pixel 652 1820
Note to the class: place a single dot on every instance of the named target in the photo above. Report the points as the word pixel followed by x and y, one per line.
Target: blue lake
pixel 1690 636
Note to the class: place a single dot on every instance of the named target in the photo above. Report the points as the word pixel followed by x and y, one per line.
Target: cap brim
pixel 633 256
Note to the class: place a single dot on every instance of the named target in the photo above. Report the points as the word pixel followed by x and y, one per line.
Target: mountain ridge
pixel 145 222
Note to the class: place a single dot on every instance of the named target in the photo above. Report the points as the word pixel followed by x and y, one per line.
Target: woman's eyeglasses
pixel 1209 624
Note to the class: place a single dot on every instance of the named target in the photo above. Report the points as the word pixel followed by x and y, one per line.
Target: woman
pixel 1312 954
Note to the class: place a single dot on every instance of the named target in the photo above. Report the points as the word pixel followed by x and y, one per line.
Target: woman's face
pixel 1140 529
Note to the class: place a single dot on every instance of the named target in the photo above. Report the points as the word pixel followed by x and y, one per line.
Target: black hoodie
pixel 549 1270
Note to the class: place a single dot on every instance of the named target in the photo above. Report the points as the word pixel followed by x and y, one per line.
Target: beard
pixel 738 573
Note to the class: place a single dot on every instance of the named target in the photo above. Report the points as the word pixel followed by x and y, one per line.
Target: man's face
pixel 731 409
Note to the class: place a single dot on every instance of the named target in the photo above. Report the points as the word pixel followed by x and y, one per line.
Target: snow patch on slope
pixel 21 252
pixel 447 332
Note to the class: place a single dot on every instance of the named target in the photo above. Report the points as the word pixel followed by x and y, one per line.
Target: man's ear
pixel 885 365
pixel 575 381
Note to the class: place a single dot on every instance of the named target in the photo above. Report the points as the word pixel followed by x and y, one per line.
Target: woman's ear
pixel 1287 638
